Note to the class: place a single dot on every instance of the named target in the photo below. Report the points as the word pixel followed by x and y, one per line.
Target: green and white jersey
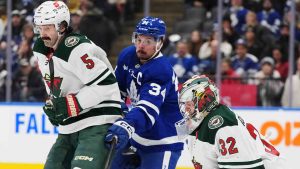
pixel 81 68
pixel 224 140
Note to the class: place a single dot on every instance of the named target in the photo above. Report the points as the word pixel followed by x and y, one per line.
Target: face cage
pixel 190 121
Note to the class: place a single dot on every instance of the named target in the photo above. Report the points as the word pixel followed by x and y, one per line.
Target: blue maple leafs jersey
pixel 153 91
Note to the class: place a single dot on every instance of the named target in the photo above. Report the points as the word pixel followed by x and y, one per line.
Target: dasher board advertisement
pixel 26 135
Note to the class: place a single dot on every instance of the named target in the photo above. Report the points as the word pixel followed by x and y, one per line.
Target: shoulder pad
pixel 70 42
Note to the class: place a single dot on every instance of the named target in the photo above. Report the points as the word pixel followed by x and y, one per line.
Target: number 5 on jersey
pixel 89 62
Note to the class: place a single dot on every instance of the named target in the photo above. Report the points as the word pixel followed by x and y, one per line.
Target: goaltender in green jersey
pixel 84 98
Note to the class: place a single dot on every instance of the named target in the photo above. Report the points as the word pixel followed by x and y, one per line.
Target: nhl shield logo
pixel 71 41
pixel 215 122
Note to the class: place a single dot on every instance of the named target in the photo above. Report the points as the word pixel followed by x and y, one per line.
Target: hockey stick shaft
pixel 110 153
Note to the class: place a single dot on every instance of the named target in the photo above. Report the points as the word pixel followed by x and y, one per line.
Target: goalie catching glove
pixel 61 108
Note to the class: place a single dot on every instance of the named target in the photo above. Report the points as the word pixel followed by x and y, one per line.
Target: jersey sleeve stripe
pixel 107 103
pixel 149 115
pixel 110 79
pixel 99 77
pixel 245 164
pixel 152 106
pixel 94 112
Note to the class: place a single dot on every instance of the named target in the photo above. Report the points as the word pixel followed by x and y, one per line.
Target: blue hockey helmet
pixel 151 26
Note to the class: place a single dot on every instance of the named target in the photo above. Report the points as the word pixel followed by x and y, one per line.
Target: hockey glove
pixel 123 131
pixel 61 108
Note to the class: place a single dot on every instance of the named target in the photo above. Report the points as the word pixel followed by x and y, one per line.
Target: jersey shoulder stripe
pixel 110 79
pixel 220 117
pixel 97 78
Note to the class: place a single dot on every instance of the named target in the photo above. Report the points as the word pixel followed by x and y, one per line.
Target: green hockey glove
pixel 59 109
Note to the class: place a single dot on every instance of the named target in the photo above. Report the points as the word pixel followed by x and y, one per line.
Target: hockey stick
pixel 110 153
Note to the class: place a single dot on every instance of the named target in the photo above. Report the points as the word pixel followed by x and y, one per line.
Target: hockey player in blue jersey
pixel 147 78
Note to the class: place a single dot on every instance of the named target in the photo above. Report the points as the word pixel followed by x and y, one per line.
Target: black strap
pixel 51 68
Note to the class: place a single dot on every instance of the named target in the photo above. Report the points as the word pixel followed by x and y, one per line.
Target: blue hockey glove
pixel 58 109
pixel 123 131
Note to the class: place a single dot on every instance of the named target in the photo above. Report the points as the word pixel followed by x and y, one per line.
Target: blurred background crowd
pixel 254 47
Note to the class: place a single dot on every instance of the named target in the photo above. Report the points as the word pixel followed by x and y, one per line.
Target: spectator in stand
pixel 237 13
pixel 229 34
pixel 269 84
pixel 75 20
pixel 205 49
pixel 183 63
pixel 280 65
pixel 243 63
pixel 28 34
pixel 254 46
pixel 193 3
pixel 25 50
pixel 169 46
pixel 195 42
pixel 283 41
pixel 3 18
pixel 27 84
pixel 102 32
pixel 269 17
pixel 288 14
pixel 262 34
pixel 208 66
pixel 295 102
pixel 17 25
pixel 228 74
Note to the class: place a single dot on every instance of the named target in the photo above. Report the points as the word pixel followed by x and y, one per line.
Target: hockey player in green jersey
pixel 219 138
pixel 84 98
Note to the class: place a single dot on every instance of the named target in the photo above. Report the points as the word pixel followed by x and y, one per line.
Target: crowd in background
pixel 100 21
pixel 254 48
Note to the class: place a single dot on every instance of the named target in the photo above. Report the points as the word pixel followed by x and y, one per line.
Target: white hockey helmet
pixel 52 12
pixel 197 98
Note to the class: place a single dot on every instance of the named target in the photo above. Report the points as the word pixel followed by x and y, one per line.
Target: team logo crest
pixel 133 93
pixel 56 84
pixel 71 41
pixel 215 122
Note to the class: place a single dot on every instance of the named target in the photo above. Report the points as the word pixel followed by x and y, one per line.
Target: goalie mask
pixel 197 98
pixel 51 12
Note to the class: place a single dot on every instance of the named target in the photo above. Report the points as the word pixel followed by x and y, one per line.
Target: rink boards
pixel 26 135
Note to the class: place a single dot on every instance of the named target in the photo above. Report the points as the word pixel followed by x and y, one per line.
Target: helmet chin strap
pixel 157 49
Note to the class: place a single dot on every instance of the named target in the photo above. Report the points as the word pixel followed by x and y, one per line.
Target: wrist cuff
pixel 130 130
pixel 73 107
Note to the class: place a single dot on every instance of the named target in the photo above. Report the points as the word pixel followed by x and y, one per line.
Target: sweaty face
pixel 145 47
pixel 48 34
